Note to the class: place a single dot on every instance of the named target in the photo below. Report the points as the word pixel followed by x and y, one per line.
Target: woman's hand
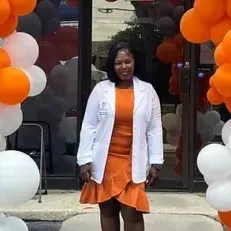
pixel 152 177
pixel 85 172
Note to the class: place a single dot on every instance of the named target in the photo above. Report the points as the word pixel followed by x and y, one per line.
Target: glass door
pixel 152 27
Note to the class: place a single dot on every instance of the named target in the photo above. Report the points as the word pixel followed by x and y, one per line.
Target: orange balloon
pixel 4 10
pixel 175 70
pixel 22 7
pixel 211 83
pixel 179 152
pixel 168 40
pixel 179 40
pixel 9 26
pixel 222 80
pixel 168 52
pixel 227 44
pixel 214 97
pixel 193 29
pixel 173 81
pixel 228 106
pixel 227 100
pixel 14 86
pixel 219 55
pixel 210 11
pixel 4 59
pixel 219 30
pixel 225 218
pixel 228 7
pixel 174 90
pixel 178 167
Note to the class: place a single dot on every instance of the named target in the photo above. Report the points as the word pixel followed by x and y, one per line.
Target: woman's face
pixel 124 65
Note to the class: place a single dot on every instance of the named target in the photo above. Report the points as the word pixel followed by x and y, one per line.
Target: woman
pixel 120 142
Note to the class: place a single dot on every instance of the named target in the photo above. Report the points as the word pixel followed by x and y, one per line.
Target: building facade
pixel 73 55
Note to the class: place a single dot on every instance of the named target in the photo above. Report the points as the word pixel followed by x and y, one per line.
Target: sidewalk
pixel 176 211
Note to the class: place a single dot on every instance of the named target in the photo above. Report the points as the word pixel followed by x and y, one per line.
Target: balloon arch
pixel 25 64
pixel 214 160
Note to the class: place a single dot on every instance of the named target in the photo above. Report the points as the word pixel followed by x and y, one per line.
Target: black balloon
pixel 30 24
pixel 178 13
pixel 165 8
pixel 46 10
pixel 52 25
pixel 166 26
pixel 56 2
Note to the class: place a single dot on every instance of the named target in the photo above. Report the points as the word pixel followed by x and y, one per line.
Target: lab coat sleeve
pixel 88 130
pixel 155 132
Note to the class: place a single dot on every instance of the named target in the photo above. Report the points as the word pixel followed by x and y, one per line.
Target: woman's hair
pixel 112 76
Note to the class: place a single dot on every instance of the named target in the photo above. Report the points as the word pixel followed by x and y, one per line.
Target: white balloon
pixel 226 131
pixel 201 123
pixel 229 143
pixel 15 223
pixel 175 129
pixel 208 181
pixel 218 195
pixel 218 128
pixel 179 110
pixel 4 228
pixel 11 118
pixel 2 216
pixel 214 162
pixel 37 78
pixel 19 178
pixel 1 41
pixel 169 120
pixel 173 140
pixel 207 134
pixel 2 143
pixel 22 49
pixel 212 118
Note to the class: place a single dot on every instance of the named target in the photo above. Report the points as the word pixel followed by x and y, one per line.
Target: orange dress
pixel 117 182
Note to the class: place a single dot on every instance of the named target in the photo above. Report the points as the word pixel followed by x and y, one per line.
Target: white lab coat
pixel 97 127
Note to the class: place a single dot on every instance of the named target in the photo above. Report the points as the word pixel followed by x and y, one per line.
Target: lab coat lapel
pixel 138 92
pixel 110 95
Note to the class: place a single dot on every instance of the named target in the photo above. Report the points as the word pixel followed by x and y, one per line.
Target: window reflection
pixel 54 24
pixel 210 119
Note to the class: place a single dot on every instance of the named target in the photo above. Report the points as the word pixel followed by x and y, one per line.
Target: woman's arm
pixel 88 130
pixel 155 133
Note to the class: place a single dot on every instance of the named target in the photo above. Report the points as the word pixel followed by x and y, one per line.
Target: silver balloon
pixel 30 24
pixel 166 26
pixel 178 13
pixel 165 8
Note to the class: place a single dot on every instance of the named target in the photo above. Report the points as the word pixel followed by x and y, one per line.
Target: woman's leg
pixel 133 219
pixel 109 215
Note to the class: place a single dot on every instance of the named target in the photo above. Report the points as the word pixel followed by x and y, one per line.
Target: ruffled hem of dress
pixel 94 193
pixel 119 187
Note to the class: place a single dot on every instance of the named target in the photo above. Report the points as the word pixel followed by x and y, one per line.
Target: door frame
pixel 84 66
pixel 186 183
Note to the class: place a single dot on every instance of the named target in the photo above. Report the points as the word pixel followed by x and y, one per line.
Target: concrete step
pixel 43 226
pixel 59 206
pixel 157 222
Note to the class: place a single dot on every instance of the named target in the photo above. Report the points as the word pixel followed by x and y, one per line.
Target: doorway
pixel 161 63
